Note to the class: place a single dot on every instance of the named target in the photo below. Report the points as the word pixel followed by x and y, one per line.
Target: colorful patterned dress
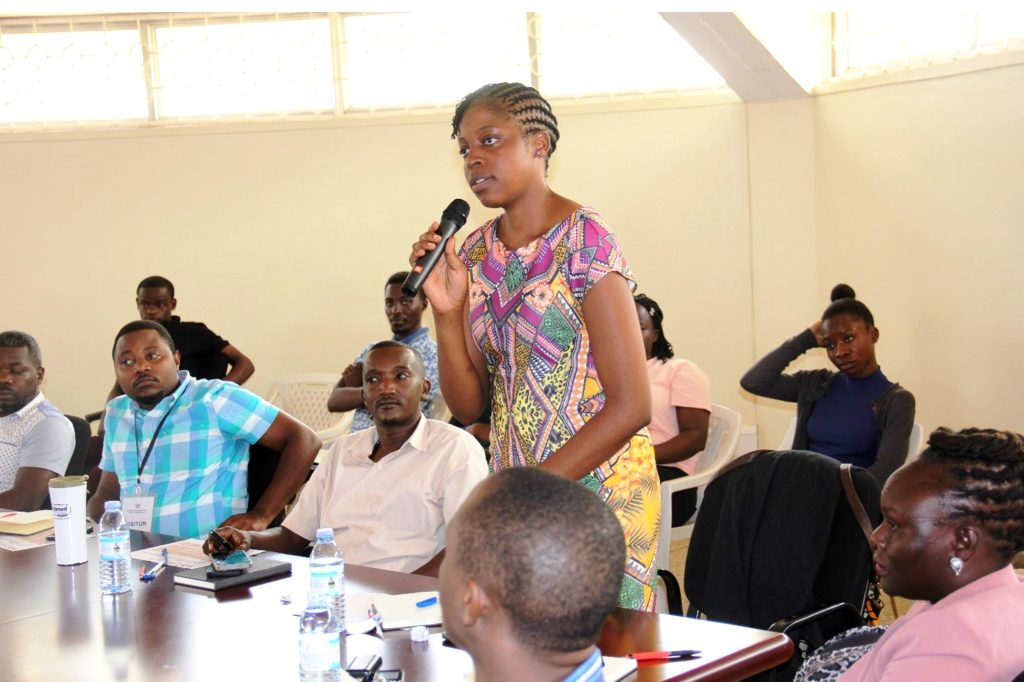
pixel 526 316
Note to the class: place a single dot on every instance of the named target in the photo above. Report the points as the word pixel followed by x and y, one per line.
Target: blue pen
pixel 152 573
pixel 429 601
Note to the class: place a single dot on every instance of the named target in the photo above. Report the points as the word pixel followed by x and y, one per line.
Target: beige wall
pixel 737 219
pixel 920 205
pixel 281 237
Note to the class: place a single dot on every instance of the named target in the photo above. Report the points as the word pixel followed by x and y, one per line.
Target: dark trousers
pixel 684 502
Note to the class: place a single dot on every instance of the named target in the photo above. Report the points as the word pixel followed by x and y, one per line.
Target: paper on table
pixel 25 523
pixel 616 668
pixel 398 611
pixel 183 554
pixel 16 543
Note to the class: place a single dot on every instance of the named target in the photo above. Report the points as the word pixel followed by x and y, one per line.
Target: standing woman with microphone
pixel 534 316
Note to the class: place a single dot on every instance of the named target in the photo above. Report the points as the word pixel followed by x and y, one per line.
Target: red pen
pixel 663 655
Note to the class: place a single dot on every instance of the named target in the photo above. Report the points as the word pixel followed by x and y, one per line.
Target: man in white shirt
pixel 36 440
pixel 390 491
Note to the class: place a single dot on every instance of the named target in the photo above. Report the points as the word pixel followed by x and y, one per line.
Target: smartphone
pixel 363 667
pixel 222 546
pixel 237 560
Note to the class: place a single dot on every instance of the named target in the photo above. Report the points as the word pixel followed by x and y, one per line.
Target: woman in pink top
pixel 951 523
pixel 680 407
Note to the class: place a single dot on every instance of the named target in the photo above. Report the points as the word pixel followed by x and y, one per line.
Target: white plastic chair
pixel 304 396
pixel 723 436
pixel 914 447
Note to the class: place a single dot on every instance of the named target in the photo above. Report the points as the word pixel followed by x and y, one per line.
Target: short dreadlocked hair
pixel 523 104
pixel 988 470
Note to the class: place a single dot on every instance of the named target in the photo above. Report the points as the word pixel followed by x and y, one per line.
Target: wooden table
pixel 55 624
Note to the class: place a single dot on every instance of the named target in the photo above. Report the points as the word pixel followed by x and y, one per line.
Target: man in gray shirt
pixel 36 440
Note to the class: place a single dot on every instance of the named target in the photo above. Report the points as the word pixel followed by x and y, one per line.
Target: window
pixel 871 41
pixel 403 60
pixel 242 68
pixel 605 52
pixel 77 75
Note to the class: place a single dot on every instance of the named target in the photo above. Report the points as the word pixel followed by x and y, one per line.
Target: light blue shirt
pixel 590 670
pixel 199 466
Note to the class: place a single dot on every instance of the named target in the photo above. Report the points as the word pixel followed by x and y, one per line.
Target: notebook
pixel 262 567
pixel 25 523
pixel 398 611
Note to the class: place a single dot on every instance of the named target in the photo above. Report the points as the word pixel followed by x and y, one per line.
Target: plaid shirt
pixel 198 470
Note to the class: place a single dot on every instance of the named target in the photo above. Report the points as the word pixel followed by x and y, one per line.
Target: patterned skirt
pixel 628 483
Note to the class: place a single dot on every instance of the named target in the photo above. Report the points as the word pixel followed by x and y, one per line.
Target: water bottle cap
pixel 419 634
pixel 112 505
pixel 325 535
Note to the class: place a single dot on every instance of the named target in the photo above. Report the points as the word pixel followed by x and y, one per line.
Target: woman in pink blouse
pixel 951 523
pixel 680 407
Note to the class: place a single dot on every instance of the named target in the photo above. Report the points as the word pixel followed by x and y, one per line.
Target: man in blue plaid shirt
pixel 181 445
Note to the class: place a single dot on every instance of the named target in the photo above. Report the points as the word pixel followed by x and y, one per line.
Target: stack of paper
pixel 26 523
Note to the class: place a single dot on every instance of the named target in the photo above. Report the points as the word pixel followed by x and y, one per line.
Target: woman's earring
pixel 957 564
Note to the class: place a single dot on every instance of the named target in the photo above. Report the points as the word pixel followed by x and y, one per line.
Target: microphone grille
pixel 457 212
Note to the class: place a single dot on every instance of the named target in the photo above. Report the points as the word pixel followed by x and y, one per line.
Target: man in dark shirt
pixel 203 353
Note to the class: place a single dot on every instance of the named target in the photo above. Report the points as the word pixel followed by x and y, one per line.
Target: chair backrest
pixel 776 537
pixel 788 437
pixel 914 447
pixel 304 396
pixel 439 409
pixel 83 432
pixel 723 437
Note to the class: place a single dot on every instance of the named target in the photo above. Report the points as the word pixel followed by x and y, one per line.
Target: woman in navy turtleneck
pixel 855 415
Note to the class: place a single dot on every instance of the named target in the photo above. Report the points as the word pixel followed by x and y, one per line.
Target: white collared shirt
pixel 390 514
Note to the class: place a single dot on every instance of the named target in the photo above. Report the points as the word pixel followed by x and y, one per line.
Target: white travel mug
pixel 67 499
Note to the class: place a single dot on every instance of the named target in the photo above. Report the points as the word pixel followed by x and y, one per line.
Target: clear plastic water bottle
pixel 319 642
pixel 115 550
pixel 327 574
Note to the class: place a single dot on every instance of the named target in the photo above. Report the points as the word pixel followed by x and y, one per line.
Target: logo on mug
pixel 61 510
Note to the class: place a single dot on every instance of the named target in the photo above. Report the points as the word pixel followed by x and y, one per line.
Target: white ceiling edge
pixel 737 55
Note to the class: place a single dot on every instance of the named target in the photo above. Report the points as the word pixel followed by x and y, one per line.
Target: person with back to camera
pixel 534 316
pixel 856 415
pixel 680 407
pixel 952 520
pixel 533 569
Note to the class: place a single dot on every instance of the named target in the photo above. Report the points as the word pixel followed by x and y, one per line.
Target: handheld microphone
pixel 452 219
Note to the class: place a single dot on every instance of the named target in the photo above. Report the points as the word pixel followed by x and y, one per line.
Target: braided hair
pixel 661 348
pixel 523 104
pixel 988 467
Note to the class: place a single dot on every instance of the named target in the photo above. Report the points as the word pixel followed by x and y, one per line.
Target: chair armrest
pixel 689 482
pixel 842 608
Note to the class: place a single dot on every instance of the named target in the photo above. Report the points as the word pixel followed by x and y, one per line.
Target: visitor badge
pixel 138 512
